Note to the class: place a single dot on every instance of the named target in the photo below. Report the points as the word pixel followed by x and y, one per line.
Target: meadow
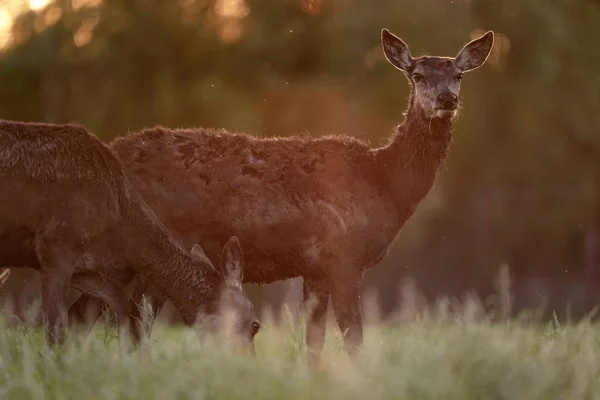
pixel 439 354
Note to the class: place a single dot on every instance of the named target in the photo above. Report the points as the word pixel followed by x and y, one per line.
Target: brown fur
pixel 326 209
pixel 69 212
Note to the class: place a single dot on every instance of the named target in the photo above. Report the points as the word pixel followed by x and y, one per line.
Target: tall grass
pixel 448 352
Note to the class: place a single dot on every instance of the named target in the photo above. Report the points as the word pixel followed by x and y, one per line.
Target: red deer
pixel 69 211
pixel 325 209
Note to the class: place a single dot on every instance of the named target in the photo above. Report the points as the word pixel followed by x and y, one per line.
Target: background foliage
pixel 521 184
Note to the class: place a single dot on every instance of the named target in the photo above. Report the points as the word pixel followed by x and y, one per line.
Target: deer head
pixel 435 81
pixel 233 307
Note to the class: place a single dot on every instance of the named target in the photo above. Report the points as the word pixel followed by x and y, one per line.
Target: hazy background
pixel 521 184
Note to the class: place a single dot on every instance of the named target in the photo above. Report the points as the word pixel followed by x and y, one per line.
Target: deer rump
pixel 60 193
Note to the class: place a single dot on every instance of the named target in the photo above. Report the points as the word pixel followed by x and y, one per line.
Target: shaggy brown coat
pixel 69 212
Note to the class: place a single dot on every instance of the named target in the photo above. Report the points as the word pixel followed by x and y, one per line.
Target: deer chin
pixel 445 113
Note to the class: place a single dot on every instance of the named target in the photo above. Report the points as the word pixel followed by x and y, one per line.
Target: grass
pixel 432 357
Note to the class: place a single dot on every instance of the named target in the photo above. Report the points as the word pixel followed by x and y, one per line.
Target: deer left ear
pixel 199 254
pixel 475 53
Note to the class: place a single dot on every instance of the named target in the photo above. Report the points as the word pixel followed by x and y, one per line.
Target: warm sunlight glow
pixel 231 31
pixel 48 18
pixel 5 20
pixel 5 25
pixel 77 4
pixel 232 8
pixel 231 13
pixel 85 32
pixel 38 4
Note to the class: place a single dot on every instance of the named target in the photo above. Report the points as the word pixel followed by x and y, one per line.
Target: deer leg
pixel 84 312
pixel 345 295
pixel 141 289
pixel 55 280
pixel 108 291
pixel 315 302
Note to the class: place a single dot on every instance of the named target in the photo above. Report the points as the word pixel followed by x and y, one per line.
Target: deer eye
pixel 459 77
pixel 255 328
pixel 417 77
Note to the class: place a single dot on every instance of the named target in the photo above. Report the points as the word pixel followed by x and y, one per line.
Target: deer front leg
pixel 345 294
pixel 315 302
pixel 55 279
pixel 141 289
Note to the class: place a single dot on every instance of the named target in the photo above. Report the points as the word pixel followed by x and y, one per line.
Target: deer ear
pixel 199 254
pixel 396 51
pixel 232 263
pixel 475 53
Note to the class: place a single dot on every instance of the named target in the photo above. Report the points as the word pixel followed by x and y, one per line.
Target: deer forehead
pixel 236 299
pixel 436 67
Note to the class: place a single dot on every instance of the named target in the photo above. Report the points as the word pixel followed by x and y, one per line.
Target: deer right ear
pixel 396 51
pixel 475 53
pixel 232 263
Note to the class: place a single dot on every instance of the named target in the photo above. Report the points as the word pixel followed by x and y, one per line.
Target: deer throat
pixel 412 159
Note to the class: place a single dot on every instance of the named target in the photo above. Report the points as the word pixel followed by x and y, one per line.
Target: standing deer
pixel 69 211
pixel 325 209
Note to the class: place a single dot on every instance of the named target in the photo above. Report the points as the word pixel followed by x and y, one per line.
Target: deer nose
pixel 447 100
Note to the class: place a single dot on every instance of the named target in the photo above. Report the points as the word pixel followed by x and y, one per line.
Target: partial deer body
pixel 69 212
pixel 219 296
pixel 326 209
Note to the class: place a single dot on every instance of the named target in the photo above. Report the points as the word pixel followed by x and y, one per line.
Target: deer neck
pixel 168 266
pixel 411 160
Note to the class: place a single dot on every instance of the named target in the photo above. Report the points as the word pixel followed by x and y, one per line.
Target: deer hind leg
pixel 315 303
pixel 84 313
pixel 104 289
pixel 142 291
pixel 345 294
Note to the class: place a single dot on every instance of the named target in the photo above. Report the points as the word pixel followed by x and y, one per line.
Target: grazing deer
pixel 69 211
pixel 325 209
pixel 222 292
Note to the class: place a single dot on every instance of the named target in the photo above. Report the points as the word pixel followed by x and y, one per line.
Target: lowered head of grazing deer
pixel 213 297
pixel 230 310
pixel 436 80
